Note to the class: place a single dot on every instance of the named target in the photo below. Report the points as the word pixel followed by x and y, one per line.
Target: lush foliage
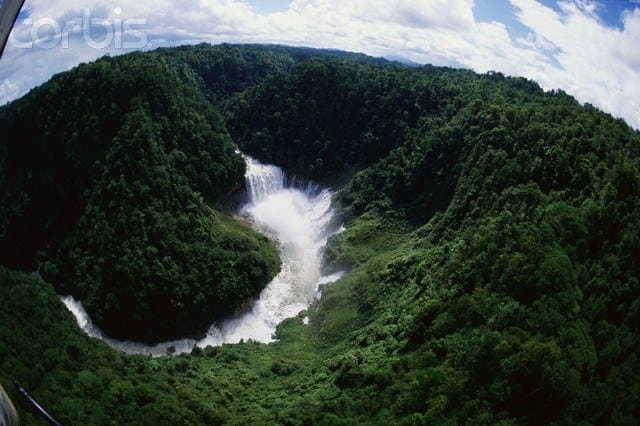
pixel 224 70
pixel 106 175
pixel 492 247
pixel 518 278
pixel 325 115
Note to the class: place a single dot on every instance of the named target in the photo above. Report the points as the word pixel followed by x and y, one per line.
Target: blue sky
pixel 586 47
pixel 609 11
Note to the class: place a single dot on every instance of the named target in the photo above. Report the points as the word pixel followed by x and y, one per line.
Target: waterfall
pixel 262 180
pixel 299 221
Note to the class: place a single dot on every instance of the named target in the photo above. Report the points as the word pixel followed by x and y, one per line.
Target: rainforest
pixel 482 235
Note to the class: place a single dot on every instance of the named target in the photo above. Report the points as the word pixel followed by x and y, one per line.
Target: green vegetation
pixel 519 212
pixel 108 175
pixel 492 247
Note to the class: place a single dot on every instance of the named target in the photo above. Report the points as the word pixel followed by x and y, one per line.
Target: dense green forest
pixel 108 176
pixel 491 242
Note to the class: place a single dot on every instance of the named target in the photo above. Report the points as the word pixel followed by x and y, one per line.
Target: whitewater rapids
pixel 299 220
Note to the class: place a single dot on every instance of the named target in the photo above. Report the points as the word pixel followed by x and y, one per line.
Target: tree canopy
pixel 110 173
pixel 491 242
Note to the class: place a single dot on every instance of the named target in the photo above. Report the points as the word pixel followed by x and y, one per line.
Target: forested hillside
pixel 223 70
pixel 518 270
pixel 109 174
pixel 491 241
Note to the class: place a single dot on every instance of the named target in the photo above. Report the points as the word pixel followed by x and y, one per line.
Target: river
pixel 299 219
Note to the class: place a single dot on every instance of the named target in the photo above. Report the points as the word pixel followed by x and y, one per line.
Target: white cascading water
pixel 299 221
pixel 85 323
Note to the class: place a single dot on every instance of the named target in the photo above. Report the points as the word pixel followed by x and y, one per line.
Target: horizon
pixel 583 47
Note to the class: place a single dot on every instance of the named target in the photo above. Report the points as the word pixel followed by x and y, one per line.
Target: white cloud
pixel 8 89
pixel 597 64
pixel 569 49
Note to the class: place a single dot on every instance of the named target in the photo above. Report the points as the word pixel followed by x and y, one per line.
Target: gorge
pixel 299 220
pixel 490 241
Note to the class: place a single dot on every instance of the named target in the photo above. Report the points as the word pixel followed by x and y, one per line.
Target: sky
pixel 588 48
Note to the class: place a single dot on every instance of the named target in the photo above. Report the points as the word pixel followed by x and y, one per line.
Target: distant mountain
pixel 402 60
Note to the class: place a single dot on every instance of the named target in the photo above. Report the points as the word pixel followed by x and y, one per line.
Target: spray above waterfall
pixel 299 221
